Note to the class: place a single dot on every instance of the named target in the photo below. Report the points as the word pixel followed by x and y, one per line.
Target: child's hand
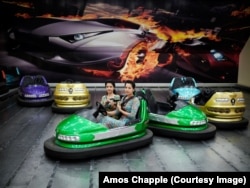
pixel 112 103
pixel 119 106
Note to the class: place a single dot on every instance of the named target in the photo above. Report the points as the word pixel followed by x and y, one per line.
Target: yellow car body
pixel 224 108
pixel 71 96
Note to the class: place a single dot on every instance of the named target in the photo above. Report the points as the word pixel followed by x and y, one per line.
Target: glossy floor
pixel 23 164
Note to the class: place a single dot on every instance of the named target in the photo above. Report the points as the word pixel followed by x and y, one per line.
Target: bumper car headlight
pixel 221 100
pixel 201 122
pixel 68 138
pixel 30 95
pixel 44 95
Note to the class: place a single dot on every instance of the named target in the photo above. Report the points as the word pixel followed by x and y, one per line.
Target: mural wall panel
pixel 149 41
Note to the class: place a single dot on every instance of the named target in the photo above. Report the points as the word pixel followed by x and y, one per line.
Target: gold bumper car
pixel 224 107
pixel 70 96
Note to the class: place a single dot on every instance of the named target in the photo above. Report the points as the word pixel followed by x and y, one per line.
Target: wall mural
pixel 149 41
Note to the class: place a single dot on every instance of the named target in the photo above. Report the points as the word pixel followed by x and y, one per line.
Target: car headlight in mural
pixel 101 44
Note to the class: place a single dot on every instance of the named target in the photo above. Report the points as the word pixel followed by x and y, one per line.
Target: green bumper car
pixel 178 119
pixel 77 137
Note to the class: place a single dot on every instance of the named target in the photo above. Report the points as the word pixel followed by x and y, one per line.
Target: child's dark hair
pixel 111 82
pixel 132 83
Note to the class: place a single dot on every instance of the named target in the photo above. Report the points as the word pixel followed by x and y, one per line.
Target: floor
pixel 23 164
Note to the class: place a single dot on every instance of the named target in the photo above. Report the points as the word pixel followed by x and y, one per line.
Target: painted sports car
pixel 199 58
pixel 70 96
pixel 101 44
pixel 186 88
pixel 223 107
pixel 178 119
pixel 34 91
pixel 80 137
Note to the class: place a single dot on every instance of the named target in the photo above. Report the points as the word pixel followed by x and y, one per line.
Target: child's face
pixel 129 90
pixel 109 88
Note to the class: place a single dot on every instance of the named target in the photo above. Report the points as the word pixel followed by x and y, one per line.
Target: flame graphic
pixel 20 4
pixel 22 15
pixel 241 13
pixel 136 66
pixel 182 52
pixel 98 72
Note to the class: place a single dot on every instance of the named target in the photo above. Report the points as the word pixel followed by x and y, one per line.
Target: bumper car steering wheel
pixel 100 109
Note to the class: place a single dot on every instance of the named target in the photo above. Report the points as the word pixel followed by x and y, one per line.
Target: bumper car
pixel 224 107
pixel 186 88
pixel 178 119
pixel 34 91
pixel 70 96
pixel 77 137
pixel 3 87
pixel 13 76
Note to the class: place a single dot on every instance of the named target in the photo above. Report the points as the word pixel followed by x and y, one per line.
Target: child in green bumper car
pixel 126 108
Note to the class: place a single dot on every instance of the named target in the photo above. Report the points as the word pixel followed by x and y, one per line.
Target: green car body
pixel 188 118
pixel 77 137
pixel 178 119
pixel 79 132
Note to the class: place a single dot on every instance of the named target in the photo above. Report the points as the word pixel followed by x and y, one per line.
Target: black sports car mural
pixel 102 44
pixel 112 45
pixel 146 41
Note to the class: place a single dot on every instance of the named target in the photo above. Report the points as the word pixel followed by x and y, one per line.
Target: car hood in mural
pixel 102 43
pixel 60 28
